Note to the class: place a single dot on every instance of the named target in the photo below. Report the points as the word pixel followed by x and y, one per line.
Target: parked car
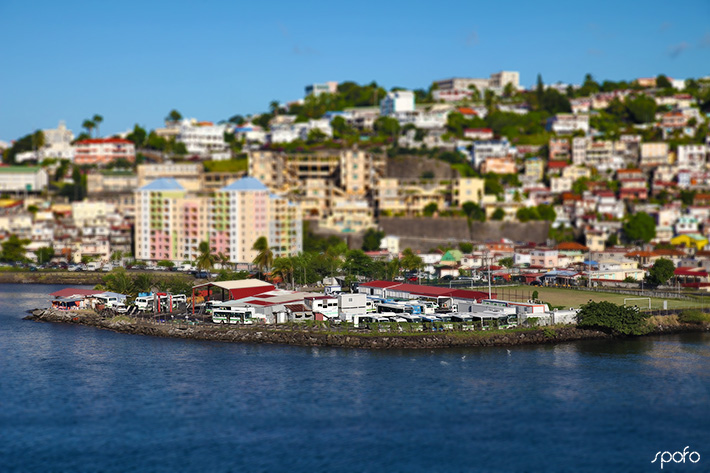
pixel 535 283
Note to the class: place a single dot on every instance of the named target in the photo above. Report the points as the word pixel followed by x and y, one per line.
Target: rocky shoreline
pixel 303 336
pixel 85 278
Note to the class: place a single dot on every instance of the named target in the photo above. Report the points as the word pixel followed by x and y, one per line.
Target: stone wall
pixel 423 233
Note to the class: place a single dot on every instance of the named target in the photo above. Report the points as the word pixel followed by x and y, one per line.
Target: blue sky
pixel 134 61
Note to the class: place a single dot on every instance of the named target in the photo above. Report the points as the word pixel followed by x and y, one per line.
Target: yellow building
pixel 690 240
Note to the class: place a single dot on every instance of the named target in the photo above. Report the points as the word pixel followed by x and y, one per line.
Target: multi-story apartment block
pixel 468 189
pixel 171 223
pixel 103 151
pixel 692 156
pixel 500 79
pixel 654 154
pixel 534 168
pixel 354 171
pixel 399 101
pixel 204 139
pixel 559 149
pixel 349 215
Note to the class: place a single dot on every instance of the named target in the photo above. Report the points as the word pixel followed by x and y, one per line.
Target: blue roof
pixel 163 184
pixel 245 184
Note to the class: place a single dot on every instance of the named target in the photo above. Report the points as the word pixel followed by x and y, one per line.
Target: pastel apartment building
pixel 102 151
pixel 171 222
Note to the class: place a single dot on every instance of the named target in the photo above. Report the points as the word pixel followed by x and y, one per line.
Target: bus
pixel 231 314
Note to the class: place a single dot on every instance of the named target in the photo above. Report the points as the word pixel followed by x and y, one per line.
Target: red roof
pixel 571 246
pixel 690 272
pixel 557 164
pixel 465 294
pixel 380 284
pixel 104 140
pixel 248 291
pixel 467 111
pixel 70 291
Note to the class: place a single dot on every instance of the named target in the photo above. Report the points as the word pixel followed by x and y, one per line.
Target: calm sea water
pixel 78 399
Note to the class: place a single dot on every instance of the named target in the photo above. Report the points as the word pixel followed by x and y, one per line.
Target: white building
pixel 692 156
pixel 204 139
pixel 397 102
pixel 57 144
pixel 568 123
pixel 324 88
pixel 23 179
pixel 482 150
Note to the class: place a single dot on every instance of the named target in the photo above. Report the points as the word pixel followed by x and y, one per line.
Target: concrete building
pixel 400 101
pixel 189 175
pixel 654 154
pixel 692 156
pixel 103 151
pixel 568 123
pixel 57 145
pixel 171 223
pixel 23 179
pixel 330 87
pixel 204 139
pixel 104 182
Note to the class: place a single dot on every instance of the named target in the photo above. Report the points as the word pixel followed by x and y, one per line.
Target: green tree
pixel 44 254
pixel 465 247
pixel 315 135
pixel 662 82
pixel 609 317
pixel 546 212
pixel 387 127
pixel 118 281
pixel 372 239
pixel 498 214
pixel 473 211
pixel 264 257
pixel 430 209
pixel 411 261
pixel 88 125
pixel 357 263
pixel 527 214
pixel 173 116
pixel 205 259
pixel 661 271
pixel 641 109
pixel 640 226
pixel 143 282
pixel 613 240
pixel 166 264
pixel 508 262
pixel 137 136
pixel 13 249
pixel 97 119
pixel 284 267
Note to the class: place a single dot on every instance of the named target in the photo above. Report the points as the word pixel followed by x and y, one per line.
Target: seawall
pixel 305 336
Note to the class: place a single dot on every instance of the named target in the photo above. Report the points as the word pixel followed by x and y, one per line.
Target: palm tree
pixel 97 119
pixel 205 260
pixel 88 125
pixel 274 106
pixel 264 257
pixel 284 267
pixel 223 260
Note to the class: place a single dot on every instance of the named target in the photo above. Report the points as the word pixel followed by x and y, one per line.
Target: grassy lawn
pixel 556 296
